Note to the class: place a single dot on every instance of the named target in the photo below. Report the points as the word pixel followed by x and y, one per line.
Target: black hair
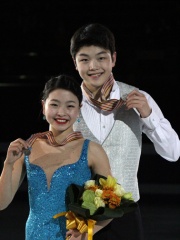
pixel 92 34
pixel 65 82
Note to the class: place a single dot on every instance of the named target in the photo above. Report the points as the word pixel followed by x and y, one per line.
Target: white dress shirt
pixel 157 128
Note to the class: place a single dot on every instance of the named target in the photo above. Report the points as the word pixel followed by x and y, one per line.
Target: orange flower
pixel 93 188
pixel 106 194
pixel 111 198
pixel 114 201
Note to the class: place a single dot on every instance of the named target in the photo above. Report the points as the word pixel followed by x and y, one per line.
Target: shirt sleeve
pixel 159 130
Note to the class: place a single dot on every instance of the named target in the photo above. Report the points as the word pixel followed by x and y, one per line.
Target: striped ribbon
pixel 50 137
pixel 104 104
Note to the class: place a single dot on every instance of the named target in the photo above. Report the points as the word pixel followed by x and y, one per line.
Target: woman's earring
pixel 78 120
pixel 44 117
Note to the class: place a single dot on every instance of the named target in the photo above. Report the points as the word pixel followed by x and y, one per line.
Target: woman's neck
pixel 59 136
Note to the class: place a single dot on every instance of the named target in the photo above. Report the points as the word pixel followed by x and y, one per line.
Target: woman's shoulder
pixel 95 147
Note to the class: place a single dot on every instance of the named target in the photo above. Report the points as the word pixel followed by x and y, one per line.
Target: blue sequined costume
pixel 45 203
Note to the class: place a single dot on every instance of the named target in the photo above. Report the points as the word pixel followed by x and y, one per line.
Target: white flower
pixel 98 192
pixel 99 202
pixel 119 190
pixel 89 183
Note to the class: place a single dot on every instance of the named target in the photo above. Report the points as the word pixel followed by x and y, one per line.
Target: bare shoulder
pixel 93 146
pixel 96 150
pixel 98 159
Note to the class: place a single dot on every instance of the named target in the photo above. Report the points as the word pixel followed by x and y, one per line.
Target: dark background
pixel 34 45
pixel 35 39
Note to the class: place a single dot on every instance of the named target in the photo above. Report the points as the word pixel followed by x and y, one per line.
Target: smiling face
pixel 94 65
pixel 61 109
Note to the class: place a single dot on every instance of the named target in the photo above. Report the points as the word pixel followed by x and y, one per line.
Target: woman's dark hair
pixel 65 82
pixel 92 34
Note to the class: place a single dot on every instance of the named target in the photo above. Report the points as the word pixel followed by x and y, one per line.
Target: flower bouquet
pixel 99 199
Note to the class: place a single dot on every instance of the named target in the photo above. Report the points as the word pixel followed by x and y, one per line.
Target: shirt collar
pixel 115 93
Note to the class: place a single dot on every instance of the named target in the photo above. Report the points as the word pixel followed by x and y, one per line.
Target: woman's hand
pixel 74 234
pixel 15 150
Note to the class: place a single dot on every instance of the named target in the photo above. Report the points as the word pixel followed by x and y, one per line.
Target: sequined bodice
pixel 46 202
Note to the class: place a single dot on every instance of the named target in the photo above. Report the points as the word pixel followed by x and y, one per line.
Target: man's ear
pixel 75 63
pixel 114 58
pixel 42 103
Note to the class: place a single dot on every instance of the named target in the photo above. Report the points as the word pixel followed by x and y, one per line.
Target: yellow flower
pixel 98 192
pixel 108 183
pixel 98 201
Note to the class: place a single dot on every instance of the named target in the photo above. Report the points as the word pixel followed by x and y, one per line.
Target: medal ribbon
pixel 50 137
pixel 104 104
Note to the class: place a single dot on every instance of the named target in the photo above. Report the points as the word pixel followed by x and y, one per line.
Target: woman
pixel 52 160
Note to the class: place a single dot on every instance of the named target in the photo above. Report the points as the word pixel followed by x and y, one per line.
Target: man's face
pixel 94 65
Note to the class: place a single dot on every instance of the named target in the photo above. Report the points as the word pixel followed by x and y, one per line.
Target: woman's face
pixel 61 110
